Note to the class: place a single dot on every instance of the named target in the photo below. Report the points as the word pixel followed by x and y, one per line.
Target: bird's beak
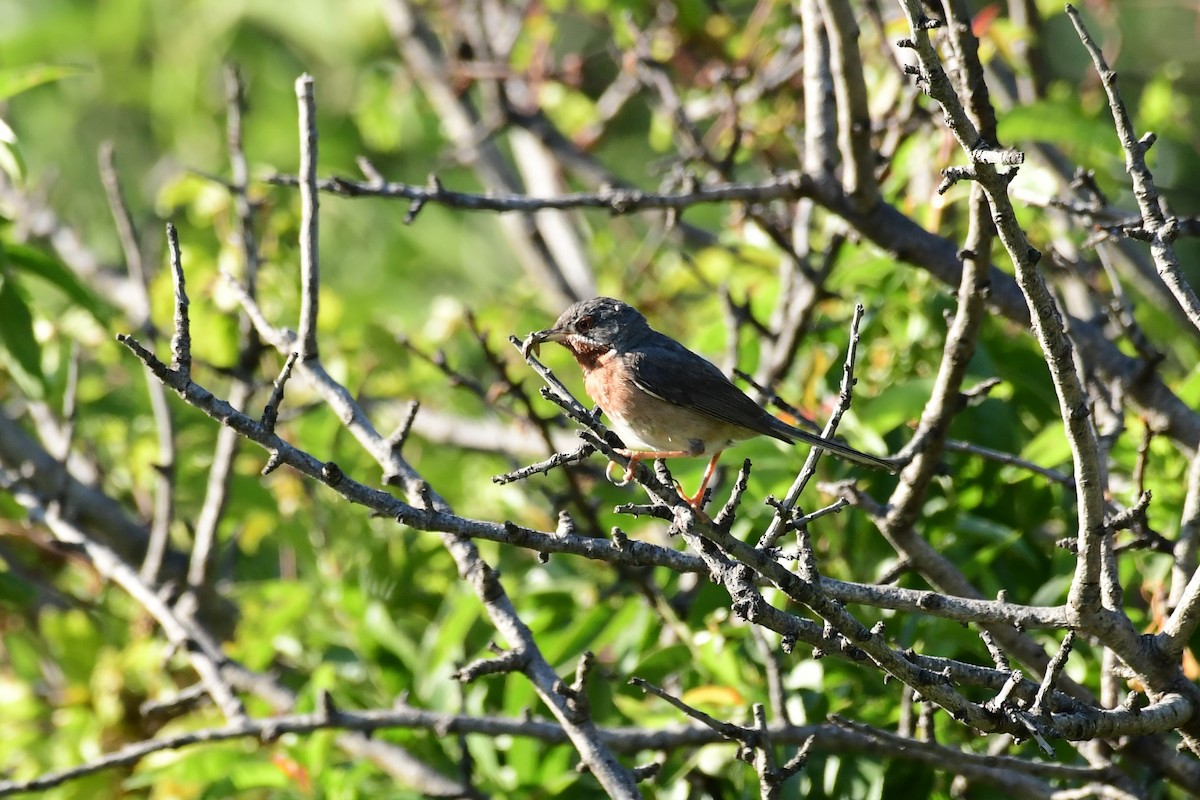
pixel 549 335
pixel 534 340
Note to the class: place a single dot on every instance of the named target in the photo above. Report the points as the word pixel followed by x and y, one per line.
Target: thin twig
pixel 181 338
pixel 1162 229
pixel 788 185
pixel 310 273
pixel 780 523
pixel 1055 668
pixel 220 473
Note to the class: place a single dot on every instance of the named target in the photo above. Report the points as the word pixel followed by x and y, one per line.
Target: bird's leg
pixel 697 500
pixel 635 456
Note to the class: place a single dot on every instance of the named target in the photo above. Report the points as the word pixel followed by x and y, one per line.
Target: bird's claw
pixel 626 474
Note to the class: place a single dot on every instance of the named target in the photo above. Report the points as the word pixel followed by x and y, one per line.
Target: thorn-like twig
pixel 727 729
pixel 1053 669
pixel 181 339
pixel 507 661
pixel 271 410
pixel 576 456
pixel 398 437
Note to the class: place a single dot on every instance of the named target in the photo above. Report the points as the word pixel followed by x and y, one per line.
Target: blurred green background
pixel 333 600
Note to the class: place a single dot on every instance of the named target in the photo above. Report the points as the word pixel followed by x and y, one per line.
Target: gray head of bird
pixel 595 325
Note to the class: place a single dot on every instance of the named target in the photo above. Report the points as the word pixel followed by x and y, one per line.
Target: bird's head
pixel 590 328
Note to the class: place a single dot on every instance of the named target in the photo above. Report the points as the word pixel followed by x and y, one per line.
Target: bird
pixel 663 400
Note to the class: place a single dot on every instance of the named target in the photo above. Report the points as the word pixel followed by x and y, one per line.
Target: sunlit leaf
pixel 1050 448
pixel 11 160
pixel 37 262
pixel 1062 122
pixel 15 80
pixel 19 350
pixel 714 696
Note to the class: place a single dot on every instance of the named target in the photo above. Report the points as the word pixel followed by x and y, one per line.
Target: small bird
pixel 665 401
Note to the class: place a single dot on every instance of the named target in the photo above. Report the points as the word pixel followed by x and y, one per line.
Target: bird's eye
pixel 585 323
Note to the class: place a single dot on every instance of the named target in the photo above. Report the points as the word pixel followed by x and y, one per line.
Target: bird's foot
pixel 696 501
pixel 626 473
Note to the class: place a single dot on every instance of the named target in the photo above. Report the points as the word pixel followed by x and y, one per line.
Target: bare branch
pixel 1185 597
pixel 820 100
pixel 1161 228
pixel 203 653
pixel 789 185
pixel 1047 325
pixel 854 119
pixel 310 273
pixel 462 125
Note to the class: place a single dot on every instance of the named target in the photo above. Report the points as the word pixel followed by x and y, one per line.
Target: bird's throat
pixel 587 353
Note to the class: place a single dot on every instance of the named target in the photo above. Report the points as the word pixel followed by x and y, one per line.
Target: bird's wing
pixel 668 370
pixel 671 372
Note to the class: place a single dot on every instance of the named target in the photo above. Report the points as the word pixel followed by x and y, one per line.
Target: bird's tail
pixel 837 448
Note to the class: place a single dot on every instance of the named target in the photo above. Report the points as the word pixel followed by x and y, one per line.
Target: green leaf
pixel 50 269
pixel 445 640
pixel 896 405
pixel 11 160
pixel 379 626
pixel 204 765
pixel 1052 592
pixel 19 350
pixel 1050 447
pixel 563 647
pixel 24 659
pixel 907 779
pixel 663 662
pixel 15 80
pixel 1062 121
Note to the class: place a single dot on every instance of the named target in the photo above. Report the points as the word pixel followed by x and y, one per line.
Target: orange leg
pixel 635 456
pixel 697 500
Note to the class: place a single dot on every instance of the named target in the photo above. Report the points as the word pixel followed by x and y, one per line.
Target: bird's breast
pixel 646 422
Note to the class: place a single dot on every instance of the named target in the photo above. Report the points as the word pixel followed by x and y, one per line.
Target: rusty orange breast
pixel 644 421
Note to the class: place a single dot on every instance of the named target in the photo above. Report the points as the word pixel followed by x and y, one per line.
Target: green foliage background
pixel 368 610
